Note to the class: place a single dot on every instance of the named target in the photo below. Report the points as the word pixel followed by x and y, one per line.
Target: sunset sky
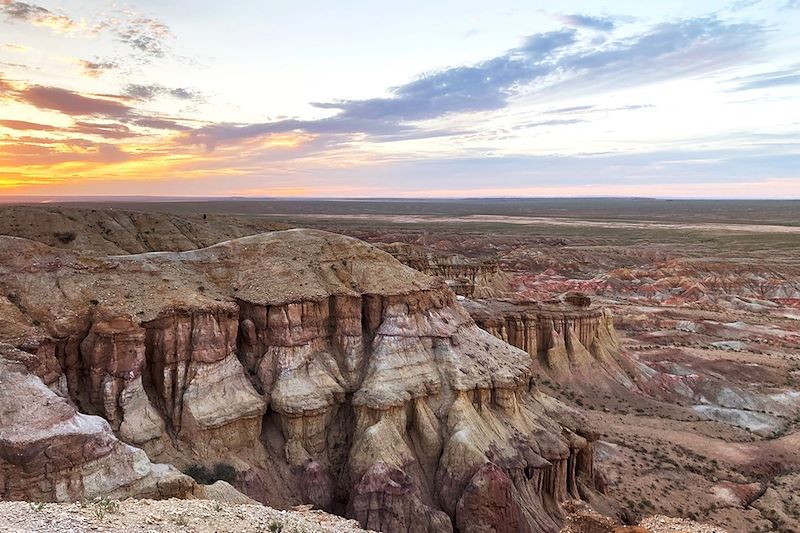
pixel 377 98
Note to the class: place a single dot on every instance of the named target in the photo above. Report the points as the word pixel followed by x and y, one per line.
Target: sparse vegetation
pixel 102 506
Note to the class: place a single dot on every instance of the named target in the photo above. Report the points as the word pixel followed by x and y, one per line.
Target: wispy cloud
pixel 581 109
pixel 26 126
pixel 589 22
pixel 94 69
pixel 147 35
pixel 108 130
pixel 70 102
pixel 5 86
pixel 481 87
pixel 669 50
pixel 160 124
pixel 152 91
pixel 571 110
pixel 780 78
pixel 37 15
pixel 551 122
pixel 553 61
pixel 16 47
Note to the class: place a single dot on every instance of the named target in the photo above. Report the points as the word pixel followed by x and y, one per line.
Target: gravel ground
pixel 149 516
pixel 663 524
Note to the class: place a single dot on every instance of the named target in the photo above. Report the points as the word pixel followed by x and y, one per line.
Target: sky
pixel 461 98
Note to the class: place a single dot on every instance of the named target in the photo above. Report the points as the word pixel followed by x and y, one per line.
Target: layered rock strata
pixel 467 277
pixel 569 340
pixel 49 451
pixel 319 368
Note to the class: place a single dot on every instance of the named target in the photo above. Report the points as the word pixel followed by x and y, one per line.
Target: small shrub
pixel 103 506
pixel 65 237
pixel 36 506
pixel 275 527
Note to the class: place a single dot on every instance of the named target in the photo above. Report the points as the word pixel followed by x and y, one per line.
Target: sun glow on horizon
pixel 140 100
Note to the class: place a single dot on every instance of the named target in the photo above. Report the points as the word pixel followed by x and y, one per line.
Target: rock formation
pixel 51 452
pixel 571 341
pixel 467 277
pixel 319 368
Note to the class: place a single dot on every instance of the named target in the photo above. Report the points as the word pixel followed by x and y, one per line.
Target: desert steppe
pixel 665 337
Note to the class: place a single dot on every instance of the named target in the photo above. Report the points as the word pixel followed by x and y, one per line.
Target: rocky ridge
pixel 319 368
pixel 125 231
pixel 167 516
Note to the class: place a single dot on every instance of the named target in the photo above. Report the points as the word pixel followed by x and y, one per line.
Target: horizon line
pixel 10 199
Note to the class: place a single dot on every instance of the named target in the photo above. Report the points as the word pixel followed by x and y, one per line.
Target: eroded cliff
pixel 465 276
pixel 318 367
pixel 570 341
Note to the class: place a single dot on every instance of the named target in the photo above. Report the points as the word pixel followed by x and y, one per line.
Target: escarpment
pixel 570 340
pixel 317 367
pixel 465 276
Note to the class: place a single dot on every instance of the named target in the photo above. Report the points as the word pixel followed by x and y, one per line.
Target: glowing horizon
pixel 379 100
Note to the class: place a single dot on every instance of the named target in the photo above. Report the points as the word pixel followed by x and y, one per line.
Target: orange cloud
pixel 25 125
pixel 39 16
pixel 50 160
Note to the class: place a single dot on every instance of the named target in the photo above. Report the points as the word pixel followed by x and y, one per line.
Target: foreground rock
pixel 146 516
pixel 310 367
pixel 49 451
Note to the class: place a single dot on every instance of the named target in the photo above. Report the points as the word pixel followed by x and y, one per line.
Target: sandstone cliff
pixel 319 368
pixel 51 452
pixel 465 276
pixel 568 341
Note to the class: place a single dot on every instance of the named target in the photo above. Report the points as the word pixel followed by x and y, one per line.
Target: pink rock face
pixel 49 451
pixel 385 499
pixel 488 503
pixel 317 485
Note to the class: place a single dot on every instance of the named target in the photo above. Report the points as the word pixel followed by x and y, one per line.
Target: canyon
pixel 450 376
pixel 319 368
